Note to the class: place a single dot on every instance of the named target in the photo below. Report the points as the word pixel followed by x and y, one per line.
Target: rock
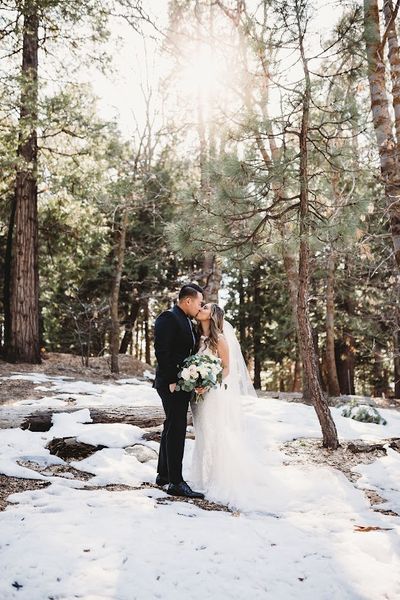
pixel 69 448
pixel 141 452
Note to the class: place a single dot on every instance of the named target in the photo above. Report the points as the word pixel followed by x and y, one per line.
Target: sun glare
pixel 201 79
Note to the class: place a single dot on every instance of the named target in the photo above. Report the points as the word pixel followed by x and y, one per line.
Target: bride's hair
pixel 216 326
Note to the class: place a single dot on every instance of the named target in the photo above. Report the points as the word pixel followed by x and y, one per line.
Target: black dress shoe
pixel 160 481
pixel 182 489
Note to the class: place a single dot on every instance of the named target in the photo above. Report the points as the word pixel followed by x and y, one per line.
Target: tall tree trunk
pixel 344 349
pixel 309 359
pixel 296 385
pixel 382 120
pixel 396 363
pixel 136 303
pixel 23 343
pixel 379 373
pixel 256 318
pixel 140 356
pixel 394 61
pixel 137 338
pixel 146 332
pixel 129 324
pixel 7 278
pixel 242 316
pixel 119 252
pixel 332 377
pixel 211 276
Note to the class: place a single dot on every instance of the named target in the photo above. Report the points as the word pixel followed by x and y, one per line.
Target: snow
pixel 383 476
pixel 73 424
pixel 123 392
pixel 295 540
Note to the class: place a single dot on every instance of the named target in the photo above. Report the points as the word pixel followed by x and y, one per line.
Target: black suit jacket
pixel 173 342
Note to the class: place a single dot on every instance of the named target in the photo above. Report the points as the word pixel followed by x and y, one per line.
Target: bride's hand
pixel 201 390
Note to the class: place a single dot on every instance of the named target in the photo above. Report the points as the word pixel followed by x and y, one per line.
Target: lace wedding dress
pixel 222 464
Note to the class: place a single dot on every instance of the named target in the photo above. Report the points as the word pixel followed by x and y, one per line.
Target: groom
pixel 174 340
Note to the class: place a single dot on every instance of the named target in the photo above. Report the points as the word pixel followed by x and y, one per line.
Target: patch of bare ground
pixel 348 455
pixel 204 504
pixel 12 485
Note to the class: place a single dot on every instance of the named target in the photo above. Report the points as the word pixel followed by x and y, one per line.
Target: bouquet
pixel 200 371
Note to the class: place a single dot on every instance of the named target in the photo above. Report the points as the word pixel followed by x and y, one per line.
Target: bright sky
pixel 120 93
pixel 135 59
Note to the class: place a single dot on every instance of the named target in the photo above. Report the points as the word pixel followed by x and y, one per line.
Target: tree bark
pixel 394 61
pixel 332 377
pixel 379 373
pixel 344 349
pixel 211 276
pixel 309 359
pixel 147 356
pixel 396 365
pixel 23 343
pixel 242 315
pixel 7 279
pixel 382 120
pixel 256 317
pixel 296 385
pixel 119 252
pixel 129 324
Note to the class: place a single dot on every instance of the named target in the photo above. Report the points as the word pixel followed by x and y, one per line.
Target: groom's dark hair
pixel 190 290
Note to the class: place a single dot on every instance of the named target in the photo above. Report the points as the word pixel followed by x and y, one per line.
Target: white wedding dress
pixel 223 465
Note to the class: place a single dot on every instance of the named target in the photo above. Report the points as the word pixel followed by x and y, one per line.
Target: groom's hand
pixel 172 387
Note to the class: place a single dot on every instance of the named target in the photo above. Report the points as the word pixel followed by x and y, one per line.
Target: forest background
pixel 252 148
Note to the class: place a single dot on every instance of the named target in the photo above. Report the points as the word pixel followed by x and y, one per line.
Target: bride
pixel 222 464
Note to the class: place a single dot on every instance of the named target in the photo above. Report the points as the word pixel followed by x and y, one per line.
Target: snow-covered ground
pixel 297 540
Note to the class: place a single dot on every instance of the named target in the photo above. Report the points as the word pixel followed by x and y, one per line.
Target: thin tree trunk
pixel 23 336
pixel 396 363
pixel 242 313
pixel 256 317
pixel 344 349
pixel 119 252
pixel 7 278
pixel 296 385
pixel 141 339
pixel 329 433
pixel 136 303
pixel 394 61
pixel 211 276
pixel 129 324
pixel 137 339
pixel 379 373
pixel 332 377
pixel 382 120
pixel 146 332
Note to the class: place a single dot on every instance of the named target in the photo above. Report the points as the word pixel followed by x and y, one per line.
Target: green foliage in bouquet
pixel 200 371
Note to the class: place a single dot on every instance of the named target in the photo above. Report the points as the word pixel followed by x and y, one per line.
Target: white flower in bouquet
pixel 199 371
pixel 192 370
pixel 185 374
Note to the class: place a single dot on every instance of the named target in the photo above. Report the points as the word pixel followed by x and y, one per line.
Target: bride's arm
pixel 223 353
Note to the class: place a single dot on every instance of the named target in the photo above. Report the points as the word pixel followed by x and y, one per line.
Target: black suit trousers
pixel 172 443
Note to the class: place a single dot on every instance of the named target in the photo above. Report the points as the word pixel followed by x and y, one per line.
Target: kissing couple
pixel 219 465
